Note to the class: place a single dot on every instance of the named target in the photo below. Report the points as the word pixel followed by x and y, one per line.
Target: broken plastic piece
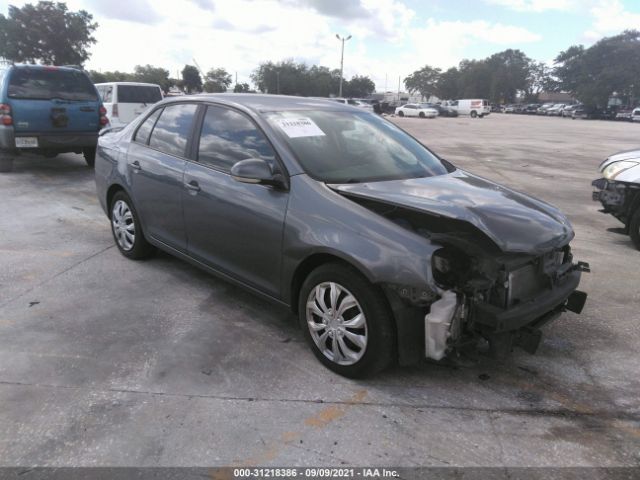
pixel 437 324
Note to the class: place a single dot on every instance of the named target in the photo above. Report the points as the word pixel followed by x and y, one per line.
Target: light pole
pixel 342 39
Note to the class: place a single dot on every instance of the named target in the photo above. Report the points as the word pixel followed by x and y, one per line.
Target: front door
pixel 234 227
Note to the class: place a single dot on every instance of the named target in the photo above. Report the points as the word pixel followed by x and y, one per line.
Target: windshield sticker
pixel 299 127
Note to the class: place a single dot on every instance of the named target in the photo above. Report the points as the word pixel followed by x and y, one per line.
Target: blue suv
pixel 48 110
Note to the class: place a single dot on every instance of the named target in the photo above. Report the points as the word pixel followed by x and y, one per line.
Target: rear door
pixel 52 100
pixel 156 160
pixel 134 99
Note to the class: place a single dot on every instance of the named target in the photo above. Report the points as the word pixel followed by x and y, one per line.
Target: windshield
pixel 48 83
pixel 353 147
pixel 138 94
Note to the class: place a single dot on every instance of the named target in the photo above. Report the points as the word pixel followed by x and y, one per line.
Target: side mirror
pixel 256 170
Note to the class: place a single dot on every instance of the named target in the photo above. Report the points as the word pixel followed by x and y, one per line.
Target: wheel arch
pixel 111 191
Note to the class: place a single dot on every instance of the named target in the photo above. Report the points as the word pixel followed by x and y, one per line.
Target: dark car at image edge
pixel 383 250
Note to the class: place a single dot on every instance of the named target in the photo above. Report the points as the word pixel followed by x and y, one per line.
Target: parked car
pixel 624 114
pixel 496 108
pixel 531 108
pixel 124 101
pixel 587 113
pixel 472 107
pixel 47 110
pixel 384 251
pixel 509 108
pixel 635 115
pixel 416 110
pixel 542 110
pixel 567 111
pixel 354 102
pixel 619 190
pixel 556 110
pixel 442 111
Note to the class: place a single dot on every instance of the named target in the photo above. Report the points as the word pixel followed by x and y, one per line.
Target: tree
pixel 594 74
pixel 191 79
pixel 151 74
pixel 286 77
pixel 359 87
pixel 217 80
pixel 423 81
pixel 47 33
pixel 539 80
pixel 447 86
pixel 241 88
pixel 509 75
pixel 116 76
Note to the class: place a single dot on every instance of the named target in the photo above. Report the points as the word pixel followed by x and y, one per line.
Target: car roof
pixel 45 67
pixel 267 103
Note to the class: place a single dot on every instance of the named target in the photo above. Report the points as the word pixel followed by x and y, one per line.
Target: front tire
pixel 401 113
pixel 474 114
pixel 6 164
pixel 634 229
pixel 422 115
pixel 89 156
pixel 126 228
pixel 346 321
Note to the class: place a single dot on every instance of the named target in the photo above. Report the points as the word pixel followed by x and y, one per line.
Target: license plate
pixel 26 142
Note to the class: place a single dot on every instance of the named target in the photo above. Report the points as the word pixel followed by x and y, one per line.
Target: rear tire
pixel 126 228
pixel 634 229
pixel 89 156
pixel 474 114
pixel 374 328
pixel 6 164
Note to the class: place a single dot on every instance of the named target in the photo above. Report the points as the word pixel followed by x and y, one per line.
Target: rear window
pixel 45 84
pixel 138 94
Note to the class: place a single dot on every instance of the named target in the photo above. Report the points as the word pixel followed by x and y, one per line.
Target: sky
pixel 390 38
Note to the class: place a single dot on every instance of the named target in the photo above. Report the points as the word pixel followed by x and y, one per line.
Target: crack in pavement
pixel 62 272
pixel 558 412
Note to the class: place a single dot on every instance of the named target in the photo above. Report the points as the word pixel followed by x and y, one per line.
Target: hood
pixel 513 221
pixel 618 157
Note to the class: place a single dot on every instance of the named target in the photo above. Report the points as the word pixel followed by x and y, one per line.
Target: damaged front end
pixel 619 189
pixel 479 290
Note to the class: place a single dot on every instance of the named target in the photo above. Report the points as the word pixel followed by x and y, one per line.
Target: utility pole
pixel 342 39
pixel 277 82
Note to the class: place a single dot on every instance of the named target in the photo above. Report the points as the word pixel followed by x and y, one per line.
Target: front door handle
pixel 193 186
pixel 135 165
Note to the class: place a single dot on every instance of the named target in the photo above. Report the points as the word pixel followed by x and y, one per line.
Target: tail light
pixel 114 110
pixel 103 116
pixel 5 114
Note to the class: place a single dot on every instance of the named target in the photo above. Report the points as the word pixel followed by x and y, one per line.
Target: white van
pixel 635 115
pixel 124 101
pixel 475 107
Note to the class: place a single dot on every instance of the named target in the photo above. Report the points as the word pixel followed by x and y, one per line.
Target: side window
pixel 107 94
pixel 172 129
pixel 144 130
pixel 228 137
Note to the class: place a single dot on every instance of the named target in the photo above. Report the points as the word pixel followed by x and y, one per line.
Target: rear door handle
pixel 135 165
pixel 193 186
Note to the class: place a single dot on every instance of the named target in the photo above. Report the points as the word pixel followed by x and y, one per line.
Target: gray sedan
pixel 383 250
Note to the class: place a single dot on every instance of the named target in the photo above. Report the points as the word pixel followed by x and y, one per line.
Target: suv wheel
pixel 89 156
pixel 634 228
pixel 346 321
pixel 6 164
pixel 126 228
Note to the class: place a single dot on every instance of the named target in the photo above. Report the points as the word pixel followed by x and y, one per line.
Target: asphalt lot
pixel 105 361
